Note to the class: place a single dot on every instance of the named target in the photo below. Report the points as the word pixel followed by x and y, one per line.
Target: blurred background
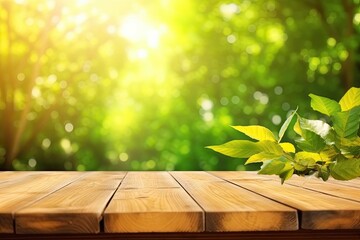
pixel 146 85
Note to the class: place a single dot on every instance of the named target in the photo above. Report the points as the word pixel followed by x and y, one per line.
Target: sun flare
pixel 139 30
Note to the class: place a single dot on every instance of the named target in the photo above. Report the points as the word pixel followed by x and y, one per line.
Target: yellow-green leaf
pixel 297 127
pixel 324 105
pixel 287 147
pixel 238 148
pixel 345 169
pixel 303 164
pixel 286 125
pixel 350 99
pixel 349 147
pixel 346 123
pixel 245 148
pixel 270 147
pixel 274 166
pixel 329 153
pixel 307 155
pixel 256 132
pixel 260 157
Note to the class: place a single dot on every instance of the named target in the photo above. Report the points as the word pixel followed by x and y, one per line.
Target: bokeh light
pixel 146 85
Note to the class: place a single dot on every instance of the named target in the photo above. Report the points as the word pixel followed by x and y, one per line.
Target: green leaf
pixel 303 164
pixel 314 133
pixel 274 166
pixel 345 169
pixel 349 147
pixel 287 147
pixel 324 105
pixel 310 142
pixel 286 175
pixel 256 132
pixel 285 125
pixel 329 153
pixel 323 173
pixel 346 124
pixel 318 127
pixel 245 148
pixel 351 99
pixel 261 157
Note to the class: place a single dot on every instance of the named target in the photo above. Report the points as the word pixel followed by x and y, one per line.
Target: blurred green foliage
pixel 145 85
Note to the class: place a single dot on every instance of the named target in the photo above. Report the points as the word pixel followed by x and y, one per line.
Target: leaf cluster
pixel 323 148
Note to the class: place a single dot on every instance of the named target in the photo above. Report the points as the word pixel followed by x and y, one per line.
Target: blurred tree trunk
pixel 15 122
pixel 7 86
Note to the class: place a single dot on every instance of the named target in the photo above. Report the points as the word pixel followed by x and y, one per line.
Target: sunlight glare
pixel 136 29
pixel 81 2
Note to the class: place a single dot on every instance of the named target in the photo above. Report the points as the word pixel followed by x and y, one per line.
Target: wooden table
pixel 175 205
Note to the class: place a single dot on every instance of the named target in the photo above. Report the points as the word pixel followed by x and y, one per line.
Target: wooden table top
pixel 143 202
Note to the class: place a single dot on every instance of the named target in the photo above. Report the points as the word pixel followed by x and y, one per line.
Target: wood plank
pixel 76 208
pixel 231 208
pixel 12 178
pixel 318 210
pixel 256 235
pixel 35 182
pixel 20 190
pixel 352 183
pixel 152 202
pixel 6 175
pixel 315 184
pixel 343 189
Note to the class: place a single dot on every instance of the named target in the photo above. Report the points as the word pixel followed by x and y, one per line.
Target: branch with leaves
pixel 324 148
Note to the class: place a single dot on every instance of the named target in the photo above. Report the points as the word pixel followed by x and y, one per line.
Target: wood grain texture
pixel 8 175
pixel 254 175
pixel 257 235
pixel 18 190
pixel 352 183
pixel 152 202
pixel 36 182
pixel 231 208
pixel 147 203
pixel 76 208
pixel 318 210
pixel 331 188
